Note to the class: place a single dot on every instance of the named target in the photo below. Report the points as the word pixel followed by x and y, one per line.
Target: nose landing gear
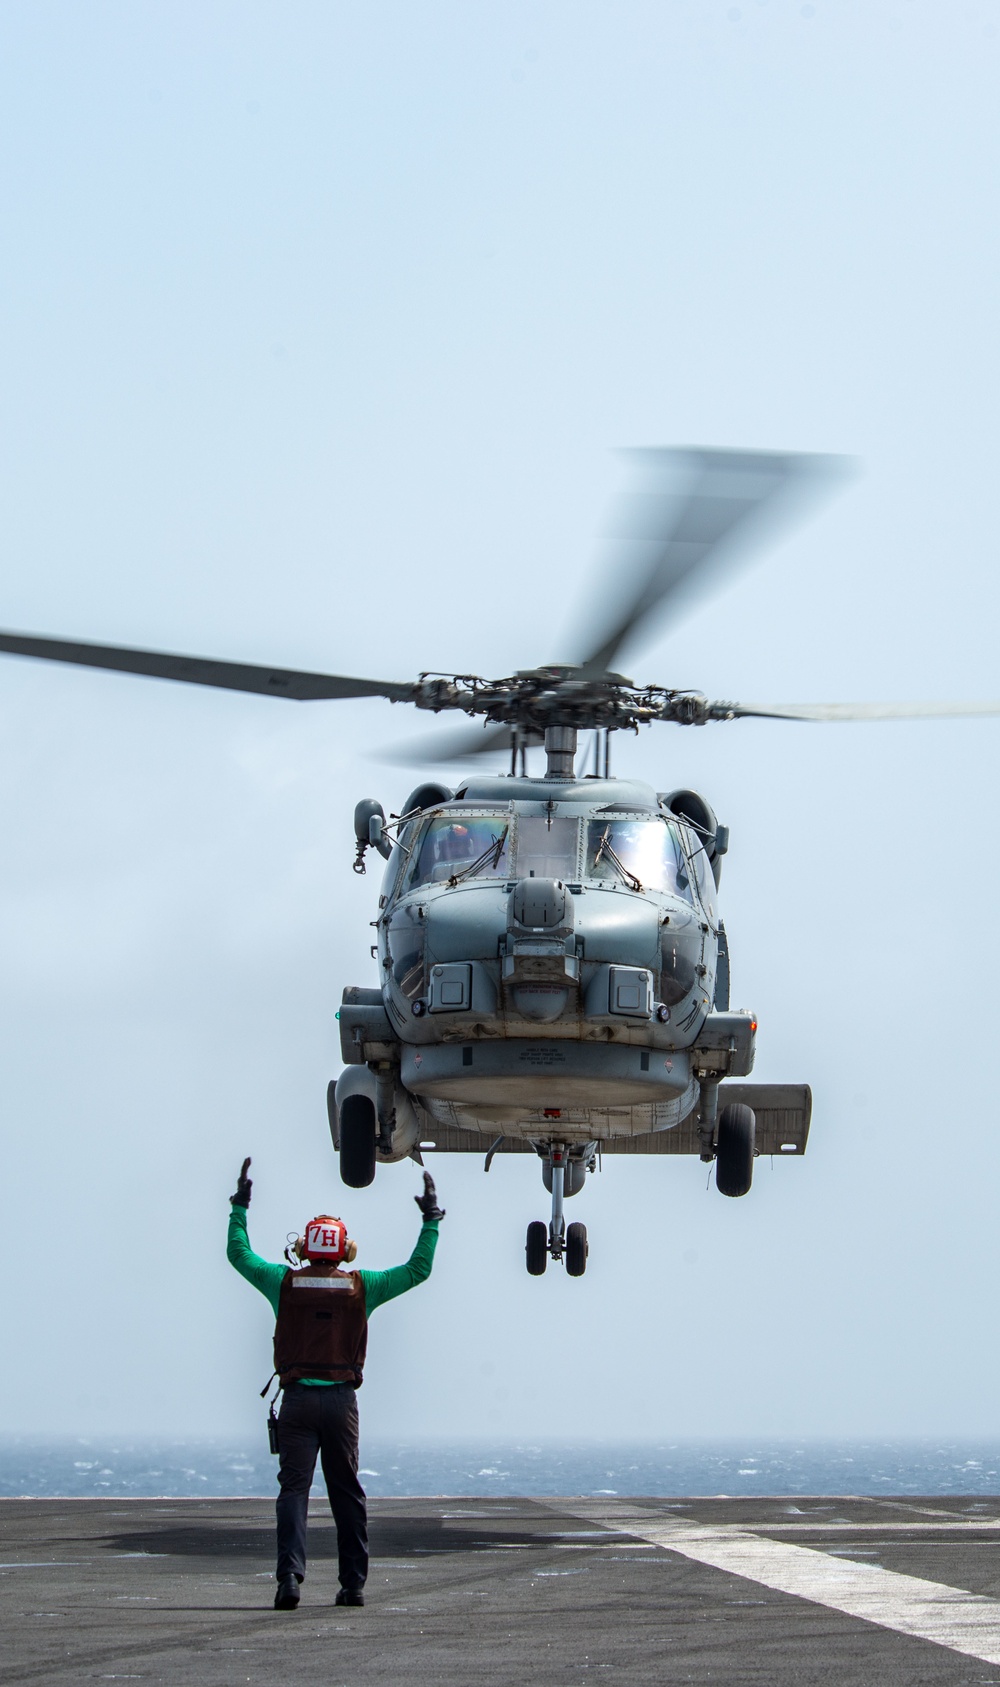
pixel 557 1241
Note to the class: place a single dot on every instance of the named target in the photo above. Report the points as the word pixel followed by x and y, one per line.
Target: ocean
pixel 119 1467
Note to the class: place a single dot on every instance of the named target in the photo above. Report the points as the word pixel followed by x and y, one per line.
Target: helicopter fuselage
pixel 549 957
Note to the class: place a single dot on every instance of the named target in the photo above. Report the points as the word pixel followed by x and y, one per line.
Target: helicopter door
pixel 546 848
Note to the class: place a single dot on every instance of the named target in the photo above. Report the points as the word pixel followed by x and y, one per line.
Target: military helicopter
pixel 553 969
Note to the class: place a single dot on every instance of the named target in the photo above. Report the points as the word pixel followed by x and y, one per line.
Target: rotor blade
pixel 454 746
pixel 862 711
pixel 682 508
pixel 199 670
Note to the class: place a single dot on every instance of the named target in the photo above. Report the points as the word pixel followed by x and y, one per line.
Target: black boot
pixel 350 1596
pixel 287 1596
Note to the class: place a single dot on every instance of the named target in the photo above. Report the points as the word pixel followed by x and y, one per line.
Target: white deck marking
pixel 967 1526
pixel 45 1564
pixel 947 1616
pixel 923 1510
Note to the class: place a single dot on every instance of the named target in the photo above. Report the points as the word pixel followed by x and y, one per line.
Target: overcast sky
pixel 321 323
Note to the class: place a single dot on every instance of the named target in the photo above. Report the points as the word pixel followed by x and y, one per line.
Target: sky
pixel 321 326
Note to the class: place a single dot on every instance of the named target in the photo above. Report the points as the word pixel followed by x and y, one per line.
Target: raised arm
pixel 260 1272
pixel 381 1286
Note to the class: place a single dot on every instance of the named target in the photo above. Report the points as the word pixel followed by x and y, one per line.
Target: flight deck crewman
pixel 320 1339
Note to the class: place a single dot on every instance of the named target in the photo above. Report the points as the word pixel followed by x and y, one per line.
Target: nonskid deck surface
pixel 517 1591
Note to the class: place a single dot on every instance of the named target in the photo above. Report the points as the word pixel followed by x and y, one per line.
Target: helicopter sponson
pixel 554 978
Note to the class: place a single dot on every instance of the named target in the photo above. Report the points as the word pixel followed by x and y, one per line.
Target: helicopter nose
pixel 539 968
pixel 542 905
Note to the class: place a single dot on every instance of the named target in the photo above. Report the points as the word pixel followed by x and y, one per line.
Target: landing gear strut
pixel 557 1241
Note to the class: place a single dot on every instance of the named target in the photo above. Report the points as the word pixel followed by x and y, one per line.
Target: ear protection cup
pixel 350 1252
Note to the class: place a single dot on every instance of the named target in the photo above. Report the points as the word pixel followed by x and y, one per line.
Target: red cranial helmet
pixel 326 1242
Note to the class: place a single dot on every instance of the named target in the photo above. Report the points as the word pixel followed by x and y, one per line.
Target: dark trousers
pixel 320 1421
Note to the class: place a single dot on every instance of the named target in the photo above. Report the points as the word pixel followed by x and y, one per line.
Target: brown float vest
pixel 322 1328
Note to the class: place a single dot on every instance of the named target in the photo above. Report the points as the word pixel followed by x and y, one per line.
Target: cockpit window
pixel 546 847
pixel 646 854
pixel 463 846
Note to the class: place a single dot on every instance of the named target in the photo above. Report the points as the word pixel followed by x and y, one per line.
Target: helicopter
pixel 553 968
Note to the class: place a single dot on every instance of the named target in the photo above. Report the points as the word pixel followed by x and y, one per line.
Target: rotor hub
pixel 535 701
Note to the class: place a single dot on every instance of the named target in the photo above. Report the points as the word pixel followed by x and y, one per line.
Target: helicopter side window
pixel 397 862
pixel 705 878
pixel 462 846
pixel 546 848
pixel 643 852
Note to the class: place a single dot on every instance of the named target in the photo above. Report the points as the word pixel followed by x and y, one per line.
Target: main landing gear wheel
pixel 735 1151
pixel 536 1248
pixel 357 1141
pixel 577 1249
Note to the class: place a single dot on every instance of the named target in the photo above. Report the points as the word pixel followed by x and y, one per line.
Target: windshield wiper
pixel 491 856
pixel 606 849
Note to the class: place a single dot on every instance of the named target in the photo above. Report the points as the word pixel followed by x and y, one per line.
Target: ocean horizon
pixel 123 1467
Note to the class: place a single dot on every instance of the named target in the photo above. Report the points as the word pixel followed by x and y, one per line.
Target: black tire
pixel 734 1155
pixel 536 1248
pixel 577 1249
pixel 331 1112
pixel 357 1142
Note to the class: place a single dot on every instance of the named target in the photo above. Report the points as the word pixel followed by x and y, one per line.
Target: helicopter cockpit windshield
pixel 646 853
pixel 489 847
pixel 463 847
pixel 547 848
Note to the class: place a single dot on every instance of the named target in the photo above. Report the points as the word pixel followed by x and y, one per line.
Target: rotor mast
pixel 560 752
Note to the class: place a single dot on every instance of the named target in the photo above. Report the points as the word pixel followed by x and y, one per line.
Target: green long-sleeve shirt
pixel 379 1286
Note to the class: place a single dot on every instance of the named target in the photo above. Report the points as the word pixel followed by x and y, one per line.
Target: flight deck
pixel 510 1591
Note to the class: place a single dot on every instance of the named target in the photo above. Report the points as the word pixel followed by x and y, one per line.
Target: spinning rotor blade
pixel 684 507
pixel 199 670
pixel 863 711
pixel 459 745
